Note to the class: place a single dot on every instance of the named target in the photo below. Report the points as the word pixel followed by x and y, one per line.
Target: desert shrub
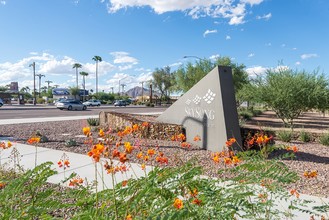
pixel 324 139
pixel 305 136
pixel 41 101
pixel 71 143
pixel 93 121
pixel 245 114
pixel 284 135
pixel 148 104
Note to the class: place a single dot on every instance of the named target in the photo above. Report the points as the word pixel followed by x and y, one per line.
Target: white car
pixel 92 102
pixel 71 105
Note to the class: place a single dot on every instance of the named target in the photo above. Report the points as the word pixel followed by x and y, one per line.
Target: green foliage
pixel 305 136
pixel 41 101
pixel 71 143
pixel 93 121
pixel 324 139
pixel 289 93
pixel 163 81
pixel 27 198
pixel 74 91
pixel 284 135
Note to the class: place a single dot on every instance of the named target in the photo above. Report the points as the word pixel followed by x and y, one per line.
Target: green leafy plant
pixel 305 136
pixel 324 139
pixel 285 135
pixel 93 121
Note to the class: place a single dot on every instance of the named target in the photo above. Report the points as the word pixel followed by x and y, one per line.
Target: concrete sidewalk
pixel 83 166
pixel 80 164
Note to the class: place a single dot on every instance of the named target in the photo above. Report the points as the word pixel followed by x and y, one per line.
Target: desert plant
pixel 305 136
pixel 71 143
pixel 41 101
pixel 285 135
pixel 93 121
pixel 324 139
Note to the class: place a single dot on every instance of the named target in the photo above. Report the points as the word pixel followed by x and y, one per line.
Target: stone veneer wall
pixel 155 130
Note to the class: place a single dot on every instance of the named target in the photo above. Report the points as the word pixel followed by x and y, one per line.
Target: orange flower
pixel 197 138
pixel 123 157
pixel 235 160
pixel 227 160
pixel 143 166
pixel 145 124
pixel 194 193
pixel 230 141
pixel 115 153
pixel 197 201
pixel 294 149
pixel 33 140
pixel 140 155
pixel 151 152
pixel 294 192
pixel 216 158
pixel 135 127
pixel 178 203
pixel 124 183
pixel 185 145
pixel 2 185
pixel 310 174
pixel 76 181
pixel 263 197
pixel 260 140
pixel 86 130
pixel 162 159
pixel 101 133
pixel 129 217
pixel 128 147
pixel 9 144
pixel 146 157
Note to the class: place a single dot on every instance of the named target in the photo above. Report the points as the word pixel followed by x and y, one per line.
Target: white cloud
pixel 308 56
pixel 265 17
pixel 228 37
pixel 214 57
pixel 256 70
pixel 283 45
pixel 123 57
pixel 297 63
pixel 268 44
pixel 295 48
pixel 209 32
pixel 3 2
pixel 234 11
pixel 251 55
pixel 175 64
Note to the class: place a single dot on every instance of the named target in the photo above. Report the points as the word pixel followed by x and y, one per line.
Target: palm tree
pixel 25 89
pixel 84 74
pixel 77 66
pixel 97 59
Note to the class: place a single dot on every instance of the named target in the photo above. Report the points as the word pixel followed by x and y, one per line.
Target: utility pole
pixel 34 95
pixel 48 82
pixel 123 88
pixel 112 88
pixel 40 75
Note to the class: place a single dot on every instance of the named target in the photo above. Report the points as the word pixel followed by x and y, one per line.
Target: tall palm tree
pixel 97 59
pixel 84 74
pixel 77 66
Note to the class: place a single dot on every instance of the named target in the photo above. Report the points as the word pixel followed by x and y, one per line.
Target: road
pixel 20 112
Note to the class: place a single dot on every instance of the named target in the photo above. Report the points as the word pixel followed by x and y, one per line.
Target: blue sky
pixel 134 37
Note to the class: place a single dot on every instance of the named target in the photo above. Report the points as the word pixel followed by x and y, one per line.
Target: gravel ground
pixel 311 156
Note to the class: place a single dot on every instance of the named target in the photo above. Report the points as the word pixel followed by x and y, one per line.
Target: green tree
pixel 97 59
pixel 187 76
pixel 76 66
pixel 289 93
pixel 3 88
pixel 84 74
pixel 74 91
pixel 163 81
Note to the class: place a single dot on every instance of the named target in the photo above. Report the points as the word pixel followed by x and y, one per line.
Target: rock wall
pixel 148 127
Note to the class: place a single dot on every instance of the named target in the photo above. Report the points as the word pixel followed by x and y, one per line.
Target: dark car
pixel 120 103
pixel 71 105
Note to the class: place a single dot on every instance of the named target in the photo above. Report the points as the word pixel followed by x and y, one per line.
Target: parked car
pixel 1 102
pixel 120 103
pixel 92 102
pixel 71 105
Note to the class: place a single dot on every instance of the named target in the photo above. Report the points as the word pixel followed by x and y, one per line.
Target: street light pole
pixel 40 75
pixel 34 95
pixel 193 57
